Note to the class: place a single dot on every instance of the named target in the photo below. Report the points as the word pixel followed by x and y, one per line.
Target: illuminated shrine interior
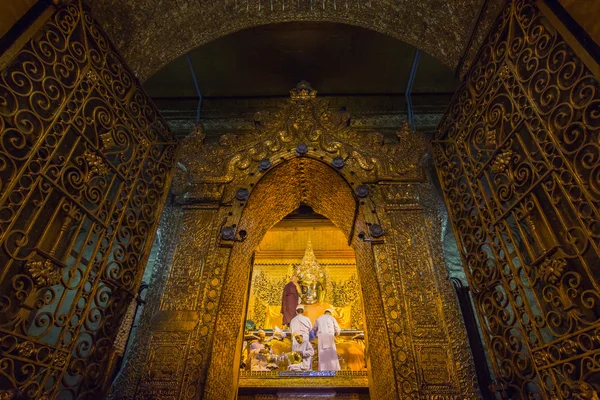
pixel 292 246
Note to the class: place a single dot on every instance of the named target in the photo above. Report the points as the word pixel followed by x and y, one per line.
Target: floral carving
pixel 96 165
pixel 551 270
pixel 26 349
pixel 504 72
pixel 60 359
pixel 304 123
pixel 43 273
pixel 501 162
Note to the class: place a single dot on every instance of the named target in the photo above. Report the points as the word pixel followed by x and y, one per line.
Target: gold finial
pixel 404 132
pixel 303 91
pixel 309 269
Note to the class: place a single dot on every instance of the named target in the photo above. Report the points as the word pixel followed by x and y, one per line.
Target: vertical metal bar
pixel 189 59
pixel 411 80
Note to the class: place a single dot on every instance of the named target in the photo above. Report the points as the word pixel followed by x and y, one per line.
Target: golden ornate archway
pixel 301 180
pixel 307 154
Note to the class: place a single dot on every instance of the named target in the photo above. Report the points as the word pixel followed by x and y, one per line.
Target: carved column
pixel 178 333
pixel 427 333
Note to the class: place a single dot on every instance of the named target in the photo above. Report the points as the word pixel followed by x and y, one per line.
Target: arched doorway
pixel 147 45
pixel 377 193
pixel 86 171
pixel 301 180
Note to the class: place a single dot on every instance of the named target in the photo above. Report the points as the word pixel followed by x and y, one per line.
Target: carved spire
pixel 309 268
pixel 303 91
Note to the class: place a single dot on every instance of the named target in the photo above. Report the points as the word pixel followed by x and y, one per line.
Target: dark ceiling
pixel 336 59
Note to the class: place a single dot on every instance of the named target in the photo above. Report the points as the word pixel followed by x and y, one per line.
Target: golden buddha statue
pixel 311 278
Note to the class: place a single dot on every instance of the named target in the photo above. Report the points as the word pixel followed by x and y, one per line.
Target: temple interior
pixel 299 199
pixel 306 244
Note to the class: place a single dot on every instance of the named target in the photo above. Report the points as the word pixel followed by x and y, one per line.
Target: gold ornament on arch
pixel 303 120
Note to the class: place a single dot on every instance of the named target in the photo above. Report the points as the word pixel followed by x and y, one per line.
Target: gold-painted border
pixel 273 380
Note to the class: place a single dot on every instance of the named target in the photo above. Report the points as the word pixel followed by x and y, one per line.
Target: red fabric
pixel 289 302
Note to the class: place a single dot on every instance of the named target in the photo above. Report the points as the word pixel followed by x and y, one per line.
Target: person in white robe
pixel 305 350
pixel 260 343
pixel 300 323
pixel 259 353
pixel 326 328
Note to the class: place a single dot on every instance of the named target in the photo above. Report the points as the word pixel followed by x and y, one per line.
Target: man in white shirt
pixel 326 329
pixel 300 323
pixel 305 350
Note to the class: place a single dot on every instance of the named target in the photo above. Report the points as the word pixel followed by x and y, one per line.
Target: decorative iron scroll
pixel 85 163
pixel 518 157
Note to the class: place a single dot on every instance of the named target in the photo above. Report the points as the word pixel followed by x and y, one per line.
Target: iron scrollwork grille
pixel 518 156
pixel 85 163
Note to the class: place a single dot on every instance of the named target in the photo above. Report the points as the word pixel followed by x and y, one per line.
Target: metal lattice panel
pixel 518 158
pixel 84 169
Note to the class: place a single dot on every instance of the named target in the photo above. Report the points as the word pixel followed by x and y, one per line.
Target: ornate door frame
pixel 292 157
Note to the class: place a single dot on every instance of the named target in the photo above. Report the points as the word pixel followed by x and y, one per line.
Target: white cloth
pixel 257 346
pixel 307 354
pixel 300 323
pixel 258 361
pixel 327 329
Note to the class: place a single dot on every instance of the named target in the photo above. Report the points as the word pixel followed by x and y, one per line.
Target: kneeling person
pixel 305 351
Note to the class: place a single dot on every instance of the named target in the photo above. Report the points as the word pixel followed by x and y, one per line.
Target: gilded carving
pixel 165 364
pixel 341 379
pixel 305 118
pixel 552 270
pixel 307 177
pixel 441 32
pixel 434 365
pixel 501 162
pixel 26 349
pixel 183 286
pixel 44 273
pixel 427 323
